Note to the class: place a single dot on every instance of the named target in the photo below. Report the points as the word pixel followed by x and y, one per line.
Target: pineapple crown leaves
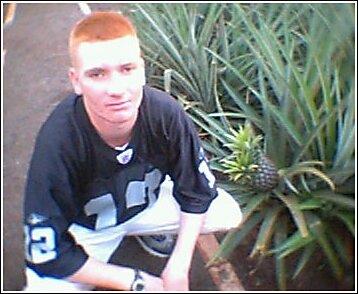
pixel 245 147
pixel 247 164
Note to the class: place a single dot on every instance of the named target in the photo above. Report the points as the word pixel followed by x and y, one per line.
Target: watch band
pixel 138 281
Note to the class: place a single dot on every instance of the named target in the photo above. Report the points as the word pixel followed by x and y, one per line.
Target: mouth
pixel 118 105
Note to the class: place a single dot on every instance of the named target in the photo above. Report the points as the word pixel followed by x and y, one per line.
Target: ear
pixel 73 76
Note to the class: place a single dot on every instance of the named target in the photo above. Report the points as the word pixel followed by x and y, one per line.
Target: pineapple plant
pixel 248 165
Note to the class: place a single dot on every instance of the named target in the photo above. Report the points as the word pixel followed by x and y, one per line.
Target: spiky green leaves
pixel 247 164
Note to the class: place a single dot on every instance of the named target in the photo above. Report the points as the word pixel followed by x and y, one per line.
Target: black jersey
pixel 76 178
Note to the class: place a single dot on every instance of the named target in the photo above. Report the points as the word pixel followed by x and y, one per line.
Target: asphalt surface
pixel 34 81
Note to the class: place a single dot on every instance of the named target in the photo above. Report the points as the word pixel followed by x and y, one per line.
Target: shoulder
pixel 164 113
pixel 63 111
pixel 59 126
pixel 162 109
pixel 160 101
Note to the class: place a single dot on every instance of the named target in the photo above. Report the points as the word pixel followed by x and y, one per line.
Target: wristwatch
pixel 138 282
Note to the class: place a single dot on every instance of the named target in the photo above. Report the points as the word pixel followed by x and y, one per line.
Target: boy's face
pixel 110 76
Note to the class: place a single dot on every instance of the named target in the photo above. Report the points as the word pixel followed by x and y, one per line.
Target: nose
pixel 116 85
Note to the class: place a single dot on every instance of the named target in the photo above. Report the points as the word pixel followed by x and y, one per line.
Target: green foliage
pixel 241 164
pixel 174 41
pixel 247 165
pixel 288 70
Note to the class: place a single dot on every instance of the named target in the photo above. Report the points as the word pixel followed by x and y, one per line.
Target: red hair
pixel 99 26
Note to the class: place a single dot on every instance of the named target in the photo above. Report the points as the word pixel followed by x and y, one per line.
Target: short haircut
pixel 99 26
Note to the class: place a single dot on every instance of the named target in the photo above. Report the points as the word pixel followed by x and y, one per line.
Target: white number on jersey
pixel 105 209
pixel 204 169
pixel 40 244
pixel 136 190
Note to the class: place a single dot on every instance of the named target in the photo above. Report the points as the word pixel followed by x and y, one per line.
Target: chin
pixel 121 118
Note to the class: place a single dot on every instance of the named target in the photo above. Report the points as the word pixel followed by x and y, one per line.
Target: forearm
pixel 104 275
pixel 176 273
pixel 190 226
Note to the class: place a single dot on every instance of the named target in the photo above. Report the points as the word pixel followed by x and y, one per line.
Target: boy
pixel 116 158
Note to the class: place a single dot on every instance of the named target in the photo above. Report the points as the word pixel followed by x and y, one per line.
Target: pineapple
pixel 247 164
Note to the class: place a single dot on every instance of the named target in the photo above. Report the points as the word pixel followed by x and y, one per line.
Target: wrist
pixel 138 283
pixel 181 257
pixel 179 263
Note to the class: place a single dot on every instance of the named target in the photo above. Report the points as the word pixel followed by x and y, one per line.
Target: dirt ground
pixel 34 81
pixel 259 274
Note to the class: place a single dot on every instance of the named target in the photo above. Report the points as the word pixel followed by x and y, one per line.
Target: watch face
pixel 138 285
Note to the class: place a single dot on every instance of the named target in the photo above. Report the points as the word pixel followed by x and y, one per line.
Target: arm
pixel 176 272
pixel 50 208
pixel 194 189
pixel 112 276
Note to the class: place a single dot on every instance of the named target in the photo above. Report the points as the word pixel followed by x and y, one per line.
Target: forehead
pixel 108 53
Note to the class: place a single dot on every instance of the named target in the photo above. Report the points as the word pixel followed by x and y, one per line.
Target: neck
pixel 114 134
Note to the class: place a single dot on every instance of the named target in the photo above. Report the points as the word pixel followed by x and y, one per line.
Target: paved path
pixel 35 80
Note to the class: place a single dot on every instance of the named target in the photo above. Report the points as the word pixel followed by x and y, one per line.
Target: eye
pixel 96 74
pixel 128 68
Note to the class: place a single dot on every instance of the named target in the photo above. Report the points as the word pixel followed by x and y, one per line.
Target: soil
pixel 258 274
pixel 35 80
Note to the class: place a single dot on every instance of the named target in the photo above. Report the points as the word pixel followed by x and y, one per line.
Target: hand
pixel 175 278
pixel 176 273
pixel 152 283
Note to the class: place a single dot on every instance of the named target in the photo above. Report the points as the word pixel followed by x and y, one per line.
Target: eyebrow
pixel 93 70
pixel 128 64
pixel 100 69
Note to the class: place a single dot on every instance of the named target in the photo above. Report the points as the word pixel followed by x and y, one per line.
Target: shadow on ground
pixel 35 80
